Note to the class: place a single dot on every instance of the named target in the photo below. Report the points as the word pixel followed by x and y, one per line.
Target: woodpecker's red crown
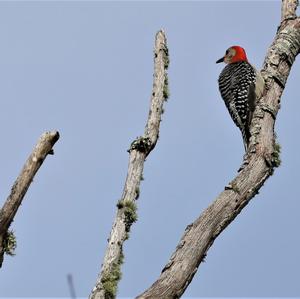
pixel 234 54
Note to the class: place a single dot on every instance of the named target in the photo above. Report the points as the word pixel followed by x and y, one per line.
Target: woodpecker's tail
pixel 246 138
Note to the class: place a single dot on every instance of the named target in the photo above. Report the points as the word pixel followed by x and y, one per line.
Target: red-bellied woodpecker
pixel 240 85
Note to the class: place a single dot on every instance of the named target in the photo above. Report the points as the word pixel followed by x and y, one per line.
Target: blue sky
pixel 85 69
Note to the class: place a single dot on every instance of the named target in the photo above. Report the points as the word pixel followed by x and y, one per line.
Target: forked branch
pixel 261 159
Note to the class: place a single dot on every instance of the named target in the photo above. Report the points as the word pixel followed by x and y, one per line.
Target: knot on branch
pixel 168 265
pixel 51 152
pixel 283 51
pixel 285 20
pixel 233 186
pixel 269 109
pixel 141 144
pixel 273 160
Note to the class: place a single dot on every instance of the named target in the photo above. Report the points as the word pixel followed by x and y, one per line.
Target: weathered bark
pixel 288 9
pixel 261 158
pixel 22 183
pixel 107 281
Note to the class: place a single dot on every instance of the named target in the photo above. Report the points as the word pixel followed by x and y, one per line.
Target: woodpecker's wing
pixel 236 84
pixel 255 92
pixel 251 103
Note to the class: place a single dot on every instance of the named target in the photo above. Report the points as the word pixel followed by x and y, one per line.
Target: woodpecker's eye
pixel 227 52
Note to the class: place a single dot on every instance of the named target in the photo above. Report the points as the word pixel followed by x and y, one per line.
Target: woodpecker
pixel 240 85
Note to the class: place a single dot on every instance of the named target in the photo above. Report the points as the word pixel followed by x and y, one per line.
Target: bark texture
pixel 21 185
pixel 261 159
pixel 107 281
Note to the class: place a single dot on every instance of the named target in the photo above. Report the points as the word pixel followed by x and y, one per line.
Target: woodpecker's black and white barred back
pixel 240 85
pixel 235 84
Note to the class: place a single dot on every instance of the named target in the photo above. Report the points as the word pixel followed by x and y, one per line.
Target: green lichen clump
pixel 166 92
pixel 130 213
pixel 110 278
pixel 276 161
pixel 10 243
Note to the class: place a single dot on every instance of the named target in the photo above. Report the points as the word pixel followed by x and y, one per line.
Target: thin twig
pixel 107 281
pixel 262 158
pixel 21 185
pixel 71 286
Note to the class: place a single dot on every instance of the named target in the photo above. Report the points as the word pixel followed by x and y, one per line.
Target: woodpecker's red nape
pixel 240 54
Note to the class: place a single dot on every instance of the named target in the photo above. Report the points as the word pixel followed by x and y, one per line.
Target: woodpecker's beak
pixel 220 60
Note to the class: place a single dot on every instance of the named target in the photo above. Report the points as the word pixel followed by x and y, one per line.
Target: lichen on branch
pixel 140 148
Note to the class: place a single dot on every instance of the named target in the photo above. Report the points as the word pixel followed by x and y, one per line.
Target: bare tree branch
pixel 21 185
pixel 107 281
pixel 288 9
pixel 262 157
